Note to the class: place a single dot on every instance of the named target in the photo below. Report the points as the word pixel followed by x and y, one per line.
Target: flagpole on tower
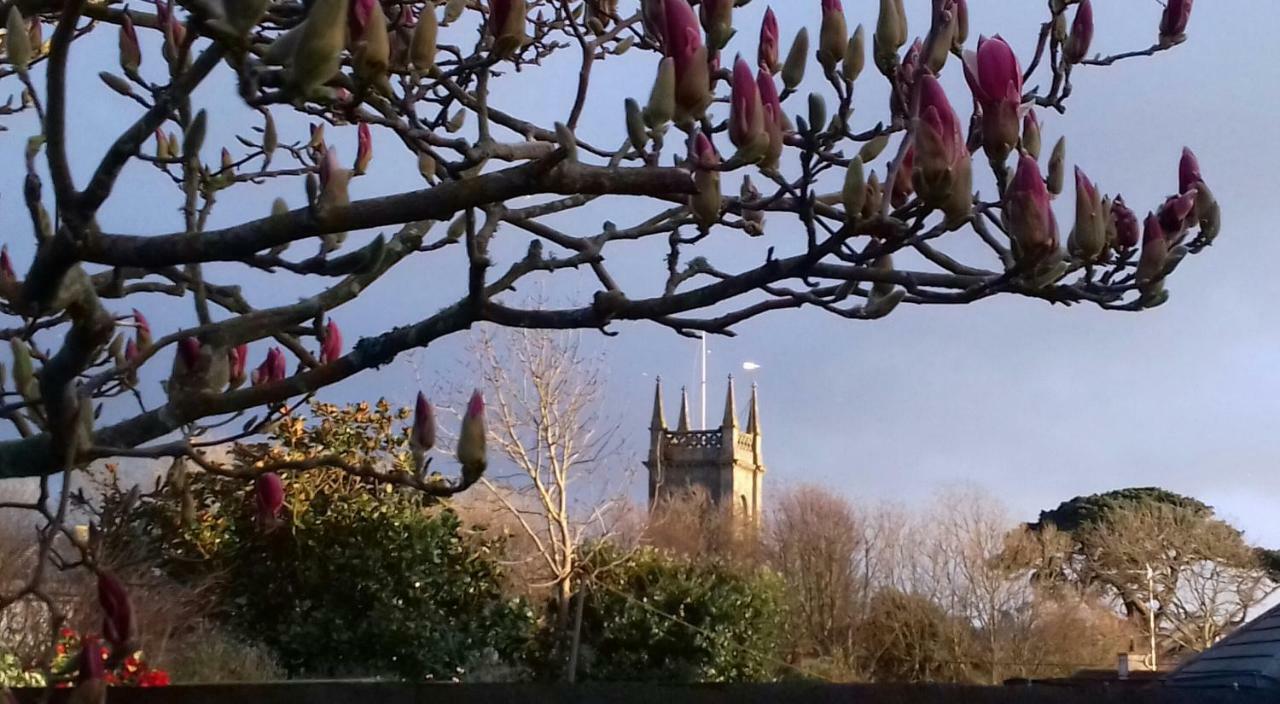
pixel 703 350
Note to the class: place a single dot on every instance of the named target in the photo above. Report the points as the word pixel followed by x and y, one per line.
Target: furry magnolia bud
pixel 507 20
pixel 472 453
pixel 422 435
pixel 372 47
pixel 237 357
pixel 833 36
pixel 797 58
pixel 635 124
pixel 855 56
pixel 422 48
pixel 682 41
pixel 1089 236
pixel 1057 166
pixel 1031 135
pixel 364 148
pixel 662 98
pixel 705 203
pixel 17 40
pixel 130 53
pixel 316 56
pixel 854 193
pixel 767 52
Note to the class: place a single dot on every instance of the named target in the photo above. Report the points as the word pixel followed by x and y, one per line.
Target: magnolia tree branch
pixel 853 223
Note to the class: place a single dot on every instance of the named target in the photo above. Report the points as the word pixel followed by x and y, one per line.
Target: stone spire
pixel 753 417
pixel 659 420
pixel 684 410
pixel 730 408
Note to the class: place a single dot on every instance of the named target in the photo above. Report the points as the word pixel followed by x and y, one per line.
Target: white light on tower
pixel 750 366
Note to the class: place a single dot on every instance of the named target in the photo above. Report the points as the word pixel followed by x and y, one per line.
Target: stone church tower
pixel 726 462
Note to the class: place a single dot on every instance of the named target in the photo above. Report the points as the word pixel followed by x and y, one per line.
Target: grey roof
pixel 1248 658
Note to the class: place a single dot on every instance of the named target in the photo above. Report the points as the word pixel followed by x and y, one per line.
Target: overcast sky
pixel 1036 403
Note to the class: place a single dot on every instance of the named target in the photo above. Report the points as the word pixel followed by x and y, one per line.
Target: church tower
pixel 725 462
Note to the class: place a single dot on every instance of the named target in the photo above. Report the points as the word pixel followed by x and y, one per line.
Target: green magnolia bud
pixel 427 167
pixel 17 41
pixel 457 121
pixel 1031 136
pixel 705 204
pixel 1057 166
pixel 875 196
pixel 1208 212
pixel 635 125
pixel 855 57
pixel 662 98
pixel 193 136
pixel 833 39
pixel 457 228
pixel 880 306
pixel 23 374
pixel 453 10
pixel 793 67
pixel 873 148
pixel 116 83
pixel 854 193
pixel 279 207
pixel 817 112
pixel 317 56
pixel 422 48
pixel 270 140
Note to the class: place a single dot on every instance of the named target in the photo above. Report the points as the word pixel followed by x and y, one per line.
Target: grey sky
pixel 1036 403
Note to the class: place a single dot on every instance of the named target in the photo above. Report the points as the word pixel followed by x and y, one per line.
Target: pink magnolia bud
pixel 1126 223
pixel 941 160
pixel 1155 251
pixel 1188 171
pixel 364 147
pixel 1028 214
pixel 767 54
pixel 682 41
pixel 705 203
pixel 717 19
pixel 942 33
pixel 995 78
pixel 272 369
pixel 143 329
pixel 331 347
pixel 278 365
pixel 773 118
pixel 746 115
pixel 507 22
pixel 904 80
pixel 237 358
pixel 833 35
pixel 189 353
pixel 6 265
pixel 422 437
pixel 1173 23
pixel 471 439
pixel 358 15
pixel 268 497
pixel 130 53
pixel 117 613
pixel 1081 37
pixel 1174 212
pixel 174 31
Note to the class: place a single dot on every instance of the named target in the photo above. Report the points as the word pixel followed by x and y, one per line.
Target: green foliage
pixel 729 624
pixel 14 674
pixel 360 580
pixel 1082 511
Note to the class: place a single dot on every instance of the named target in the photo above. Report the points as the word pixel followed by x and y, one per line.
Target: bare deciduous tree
pixel 559 475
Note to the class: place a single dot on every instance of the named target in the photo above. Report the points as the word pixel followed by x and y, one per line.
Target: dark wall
pixel 365 693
